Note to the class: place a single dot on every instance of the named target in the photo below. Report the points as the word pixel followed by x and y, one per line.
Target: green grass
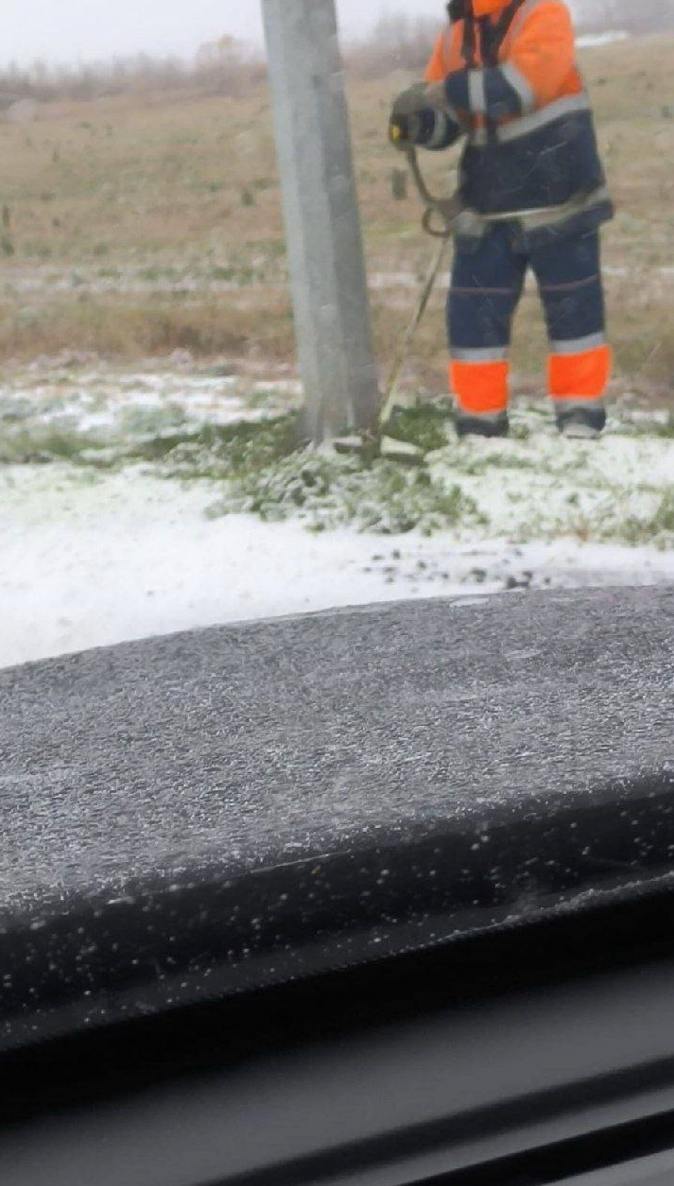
pixel 163 436
pixel 656 528
pixel 530 487
pixel 326 491
pixel 422 424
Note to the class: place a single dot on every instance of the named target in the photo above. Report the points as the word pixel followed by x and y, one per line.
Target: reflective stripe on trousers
pixel 486 288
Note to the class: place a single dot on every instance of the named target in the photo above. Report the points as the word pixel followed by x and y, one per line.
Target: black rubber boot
pixel 583 422
pixel 482 426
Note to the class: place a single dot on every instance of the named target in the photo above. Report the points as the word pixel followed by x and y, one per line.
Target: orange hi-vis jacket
pixel 512 84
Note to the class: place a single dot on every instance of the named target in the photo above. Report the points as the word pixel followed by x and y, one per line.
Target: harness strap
pixel 493 35
pixel 469 47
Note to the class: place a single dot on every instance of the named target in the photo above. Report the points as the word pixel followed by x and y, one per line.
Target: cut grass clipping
pixel 271 479
pixel 328 491
pixel 325 490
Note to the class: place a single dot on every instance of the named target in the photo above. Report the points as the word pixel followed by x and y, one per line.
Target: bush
pixel 222 67
pixel 397 42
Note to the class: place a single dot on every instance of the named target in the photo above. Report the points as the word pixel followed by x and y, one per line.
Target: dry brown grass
pixel 223 67
pixel 118 327
pixel 181 190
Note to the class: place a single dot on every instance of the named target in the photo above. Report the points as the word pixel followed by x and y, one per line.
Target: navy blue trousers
pixel 487 285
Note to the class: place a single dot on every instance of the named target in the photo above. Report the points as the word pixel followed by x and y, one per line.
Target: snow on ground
pixel 590 40
pixel 92 556
pixel 92 562
pixel 37 282
pixel 93 399
pixel 382 281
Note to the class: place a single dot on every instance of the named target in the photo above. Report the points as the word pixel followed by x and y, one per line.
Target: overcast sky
pixel 71 30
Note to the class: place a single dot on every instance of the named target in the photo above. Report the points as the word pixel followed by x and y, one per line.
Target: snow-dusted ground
pixel 590 40
pixel 90 557
pixel 125 556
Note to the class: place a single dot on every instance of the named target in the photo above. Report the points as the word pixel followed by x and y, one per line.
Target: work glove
pixel 404 130
pixel 422 115
pixel 405 124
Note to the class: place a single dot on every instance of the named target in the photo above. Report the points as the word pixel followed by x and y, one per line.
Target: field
pixel 136 226
pixel 149 473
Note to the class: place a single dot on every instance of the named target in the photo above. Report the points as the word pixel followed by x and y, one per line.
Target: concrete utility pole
pixel 327 267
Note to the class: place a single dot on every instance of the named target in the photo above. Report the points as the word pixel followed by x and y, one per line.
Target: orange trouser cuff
pixel 580 376
pixel 481 388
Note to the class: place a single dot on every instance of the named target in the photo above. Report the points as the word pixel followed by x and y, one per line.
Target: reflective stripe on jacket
pixel 531 140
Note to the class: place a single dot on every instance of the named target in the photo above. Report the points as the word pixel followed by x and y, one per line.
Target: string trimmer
pixel 437 221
